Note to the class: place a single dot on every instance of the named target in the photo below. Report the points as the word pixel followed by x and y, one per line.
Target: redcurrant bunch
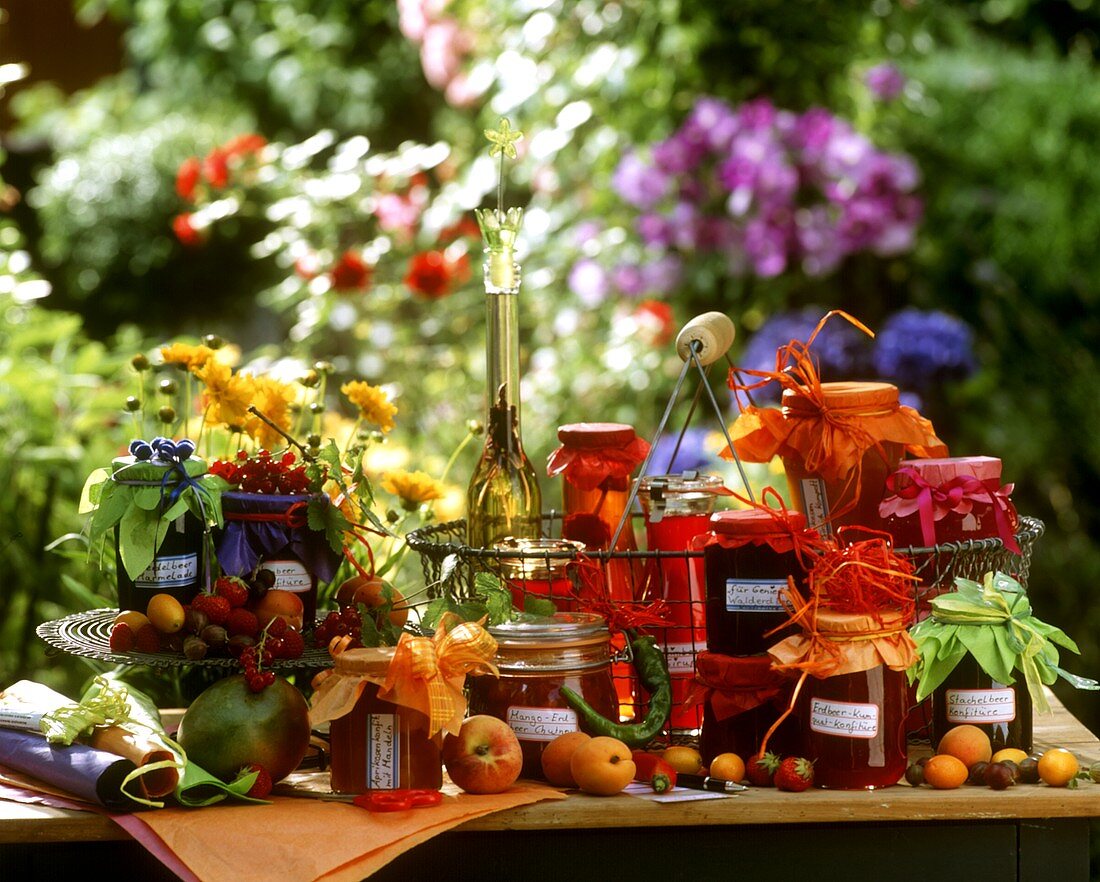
pixel 264 473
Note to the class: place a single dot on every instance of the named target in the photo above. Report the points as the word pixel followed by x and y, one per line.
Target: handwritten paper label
pixel 290 575
pixel 171 571
pixel 681 656
pixel 815 503
pixel 541 723
pixel 981 705
pixel 754 596
pixel 844 718
pixel 383 752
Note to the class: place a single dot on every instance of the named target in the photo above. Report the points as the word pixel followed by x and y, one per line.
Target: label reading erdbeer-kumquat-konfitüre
pixel 844 718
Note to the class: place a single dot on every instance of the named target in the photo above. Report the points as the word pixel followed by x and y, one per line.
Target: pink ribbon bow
pixel 958 495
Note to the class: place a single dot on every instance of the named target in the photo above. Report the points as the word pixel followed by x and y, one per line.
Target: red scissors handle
pixel 397 800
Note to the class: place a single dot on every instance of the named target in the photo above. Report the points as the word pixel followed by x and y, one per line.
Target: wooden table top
pixel 20 823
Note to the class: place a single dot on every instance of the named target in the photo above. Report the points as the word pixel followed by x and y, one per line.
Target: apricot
pixel 557 756
pixel 284 604
pixel 369 592
pixel 728 767
pixel 945 772
pixel 165 613
pixel 685 760
pixel 1058 767
pixel 602 766
pixel 966 743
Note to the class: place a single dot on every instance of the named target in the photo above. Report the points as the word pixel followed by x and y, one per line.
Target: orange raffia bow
pixel 429 673
pixel 830 440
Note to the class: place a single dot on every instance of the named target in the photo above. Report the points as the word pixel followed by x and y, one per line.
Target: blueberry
pixel 141 451
pixel 185 448
pixel 156 442
pixel 167 450
pixel 137 442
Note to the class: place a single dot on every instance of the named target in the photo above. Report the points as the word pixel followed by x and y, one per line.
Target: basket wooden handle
pixel 712 334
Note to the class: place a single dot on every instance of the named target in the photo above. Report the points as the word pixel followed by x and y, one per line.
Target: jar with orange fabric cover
pixel 854 702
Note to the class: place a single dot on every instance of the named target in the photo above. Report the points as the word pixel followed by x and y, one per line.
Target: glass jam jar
pixel 970 695
pixel 835 493
pixel 677 509
pixel 853 720
pixel 747 557
pixel 536 657
pixel 744 697
pixel 379 745
pixel 539 568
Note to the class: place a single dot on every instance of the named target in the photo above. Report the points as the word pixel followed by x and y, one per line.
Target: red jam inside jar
pixel 832 502
pixel 539 568
pixel 536 657
pixel 854 728
pixel 379 745
pixel 747 557
pixel 677 509
pixel 745 698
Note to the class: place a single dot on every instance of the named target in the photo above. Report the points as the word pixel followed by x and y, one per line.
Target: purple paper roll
pixel 93 775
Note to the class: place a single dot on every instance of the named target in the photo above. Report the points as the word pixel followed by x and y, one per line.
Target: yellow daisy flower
pixel 413 488
pixel 227 395
pixel 372 402
pixel 273 399
pixel 186 356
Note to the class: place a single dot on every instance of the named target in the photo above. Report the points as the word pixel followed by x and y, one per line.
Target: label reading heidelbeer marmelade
pixel 541 723
pixel 980 705
pixel 382 752
pixel 746 595
pixel 170 571
pixel 844 718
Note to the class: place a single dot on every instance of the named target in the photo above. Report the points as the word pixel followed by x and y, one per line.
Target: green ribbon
pixel 992 622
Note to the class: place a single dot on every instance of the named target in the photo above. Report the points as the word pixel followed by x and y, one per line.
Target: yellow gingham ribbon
pixel 428 673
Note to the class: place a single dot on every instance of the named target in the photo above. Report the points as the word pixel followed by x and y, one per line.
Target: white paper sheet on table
pixel 676 794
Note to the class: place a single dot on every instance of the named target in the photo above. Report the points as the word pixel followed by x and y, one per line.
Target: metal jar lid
pixel 536 559
pixel 561 642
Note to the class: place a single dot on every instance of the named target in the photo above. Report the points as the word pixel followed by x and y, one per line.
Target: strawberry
pixel 241 621
pixel 293 644
pixel 795 774
pixel 233 589
pixel 261 787
pixel 215 607
pixel 147 639
pixel 760 770
pixel 122 638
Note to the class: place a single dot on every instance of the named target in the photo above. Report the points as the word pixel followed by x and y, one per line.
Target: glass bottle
pixel 503 499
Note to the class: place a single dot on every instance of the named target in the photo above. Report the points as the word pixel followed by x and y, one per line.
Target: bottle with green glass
pixel 503 499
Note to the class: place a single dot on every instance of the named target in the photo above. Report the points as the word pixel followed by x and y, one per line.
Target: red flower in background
pixel 242 145
pixel 187 178
pixel 655 322
pixel 350 273
pixel 215 168
pixel 185 231
pixel 464 228
pixel 431 274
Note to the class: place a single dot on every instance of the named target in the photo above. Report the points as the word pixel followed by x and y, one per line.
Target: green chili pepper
pixel 649 662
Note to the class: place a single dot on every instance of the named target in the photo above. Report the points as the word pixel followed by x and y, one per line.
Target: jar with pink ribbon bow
pixel 954 499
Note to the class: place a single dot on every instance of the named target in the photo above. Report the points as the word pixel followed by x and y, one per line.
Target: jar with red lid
pixel 742 697
pixel 379 745
pixel 536 657
pixel 748 556
pixel 853 701
pixel 838 443
pixel 539 568
pixel 677 508
pixel 595 461
pixel 950 499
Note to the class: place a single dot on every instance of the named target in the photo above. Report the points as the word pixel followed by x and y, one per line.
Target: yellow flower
pixel 372 402
pixel 186 356
pixel 272 398
pixel 413 488
pixel 227 395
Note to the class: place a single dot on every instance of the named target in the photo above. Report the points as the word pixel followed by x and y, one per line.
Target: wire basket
pixel 450 565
